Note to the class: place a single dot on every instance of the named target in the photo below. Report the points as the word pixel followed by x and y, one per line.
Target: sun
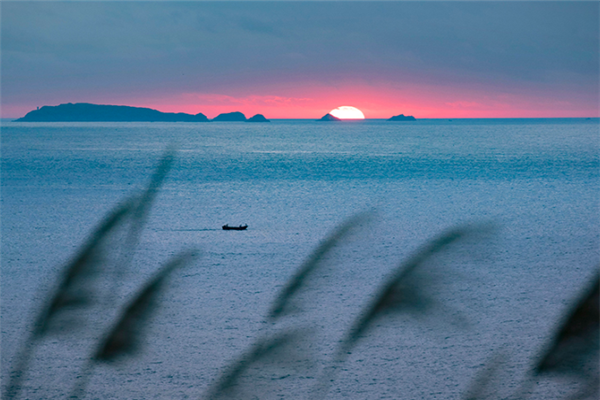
pixel 347 112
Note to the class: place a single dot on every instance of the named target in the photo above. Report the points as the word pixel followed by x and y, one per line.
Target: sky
pixel 303 59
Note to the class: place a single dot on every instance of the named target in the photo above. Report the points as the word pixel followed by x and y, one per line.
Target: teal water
pixel 292 182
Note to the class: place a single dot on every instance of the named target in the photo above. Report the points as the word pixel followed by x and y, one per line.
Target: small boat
pixel 226 227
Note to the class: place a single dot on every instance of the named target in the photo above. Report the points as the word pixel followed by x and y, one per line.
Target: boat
pixel 226 227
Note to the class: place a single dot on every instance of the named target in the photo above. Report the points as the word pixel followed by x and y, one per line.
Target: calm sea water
pixel 292 182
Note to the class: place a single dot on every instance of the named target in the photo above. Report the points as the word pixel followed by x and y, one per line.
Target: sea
pixel 358 204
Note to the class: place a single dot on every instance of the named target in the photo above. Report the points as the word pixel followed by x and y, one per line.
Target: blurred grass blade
pixel 74 291
pixel 270 350
pixel 124 337
pixel 281 305
pixel 140 214
pixel 402 292
pixel 479 389
pixel 577 339
pixel 156 182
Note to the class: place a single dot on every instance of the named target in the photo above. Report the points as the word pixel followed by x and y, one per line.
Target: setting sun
pixel 347 112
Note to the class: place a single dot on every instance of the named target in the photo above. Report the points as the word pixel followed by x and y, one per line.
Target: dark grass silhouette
pixel 482 386
pixel 284 302
pixel 405 291
pixel 284 353
pixel 574 349
pixel 141 212
pixel 124 339
pixel 278 356
pixel 280 349
pixel 76 291
pixel 577 339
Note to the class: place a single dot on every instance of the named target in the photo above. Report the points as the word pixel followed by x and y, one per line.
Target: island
pixel 329 117
pixel 86 112
pixel 235 116
pixel 258 118
pixel 402 117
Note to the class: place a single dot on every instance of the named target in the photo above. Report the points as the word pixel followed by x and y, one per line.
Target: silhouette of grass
pixel 140 213
pixel 124 338
pixel 479 389
pixel 75 290
pixel 574 349
pixel 283 303
pixel 403 291
pixel 577 338
pixel 271 350
pixel 283 354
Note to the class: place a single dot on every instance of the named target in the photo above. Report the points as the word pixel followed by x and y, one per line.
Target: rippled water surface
pixel 292 182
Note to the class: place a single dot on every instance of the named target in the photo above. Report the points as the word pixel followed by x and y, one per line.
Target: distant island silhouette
pixel 402 117
pixel 258 118
pixel 85 112
pixel 329 117
pixel 235 116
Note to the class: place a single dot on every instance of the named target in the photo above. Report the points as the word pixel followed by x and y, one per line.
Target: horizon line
pixel 13 119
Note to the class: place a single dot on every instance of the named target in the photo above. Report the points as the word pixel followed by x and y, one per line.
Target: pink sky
pixel 375 102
